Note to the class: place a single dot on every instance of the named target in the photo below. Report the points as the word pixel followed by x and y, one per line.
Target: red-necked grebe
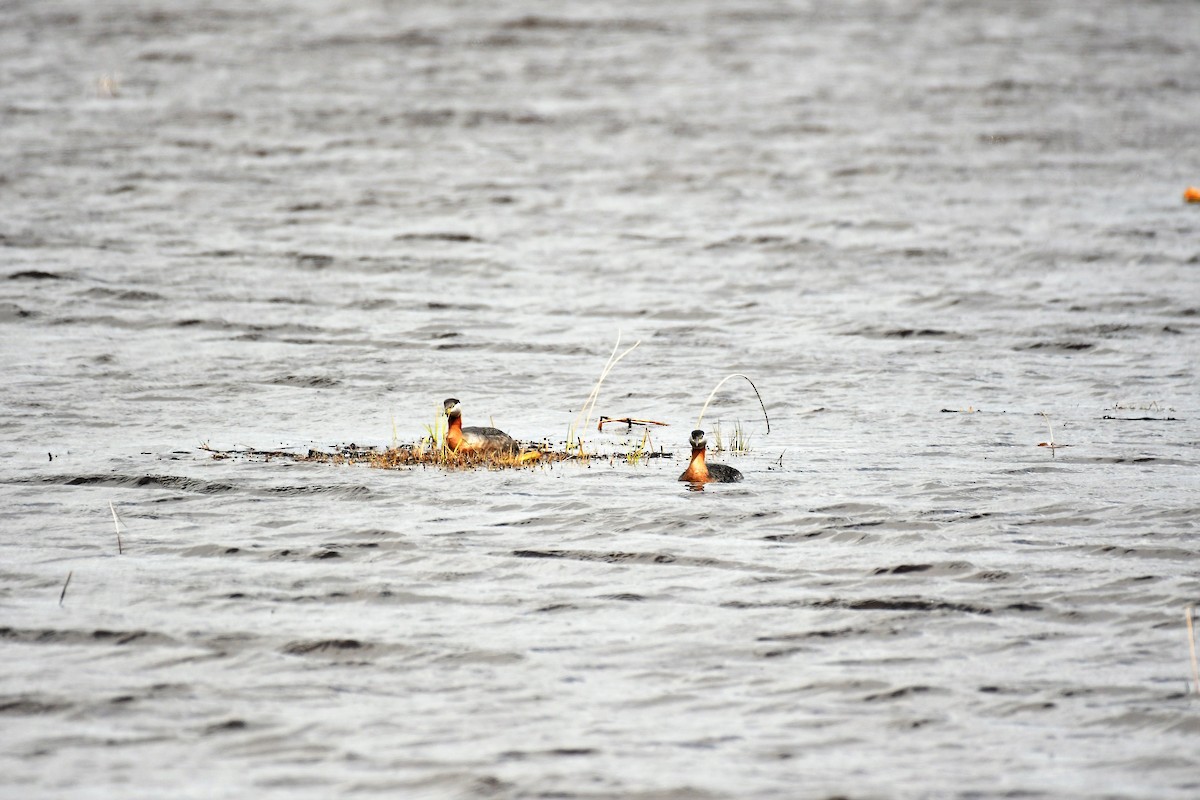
pixel 474 440
pixel 700 472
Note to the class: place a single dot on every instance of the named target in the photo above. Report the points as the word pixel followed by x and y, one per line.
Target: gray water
pixel 917 226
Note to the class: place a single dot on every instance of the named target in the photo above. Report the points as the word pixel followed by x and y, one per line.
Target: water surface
pixel 918 226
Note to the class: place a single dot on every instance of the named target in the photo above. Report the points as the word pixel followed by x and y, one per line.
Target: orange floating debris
pixel 1191 195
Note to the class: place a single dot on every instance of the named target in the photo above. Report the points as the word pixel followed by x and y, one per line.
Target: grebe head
pixel 453 408
pixel 698 440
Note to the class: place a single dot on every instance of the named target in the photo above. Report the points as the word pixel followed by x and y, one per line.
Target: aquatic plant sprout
pixel 435 433
pixel 738 441
pixel 642 451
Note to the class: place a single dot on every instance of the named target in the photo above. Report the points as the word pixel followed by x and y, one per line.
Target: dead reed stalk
pixel 1053 445
pixel 713 394
pixel 117 525
pixel 589 405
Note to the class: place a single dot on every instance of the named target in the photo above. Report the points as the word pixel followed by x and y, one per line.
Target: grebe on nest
pixel 700 472
pixel 474 440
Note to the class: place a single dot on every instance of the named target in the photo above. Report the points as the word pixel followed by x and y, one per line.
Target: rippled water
pixel 915 225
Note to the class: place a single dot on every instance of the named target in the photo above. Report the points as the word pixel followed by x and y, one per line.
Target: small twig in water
pixel 1192 647
pixel 67 582
pixel 117 525
pixel 630 421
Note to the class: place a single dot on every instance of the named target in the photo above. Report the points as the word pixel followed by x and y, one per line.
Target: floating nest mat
pixel 422 456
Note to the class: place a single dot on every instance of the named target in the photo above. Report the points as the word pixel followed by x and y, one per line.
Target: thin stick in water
pixel 117 525
pixel 630 421
pixel 66 583
pixel 713 394
pixel 1192 647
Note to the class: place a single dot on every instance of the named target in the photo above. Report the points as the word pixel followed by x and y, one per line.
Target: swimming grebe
pixel 474 440
pixel 700 472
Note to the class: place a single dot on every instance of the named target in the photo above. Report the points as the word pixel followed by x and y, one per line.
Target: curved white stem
pixel 722 383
